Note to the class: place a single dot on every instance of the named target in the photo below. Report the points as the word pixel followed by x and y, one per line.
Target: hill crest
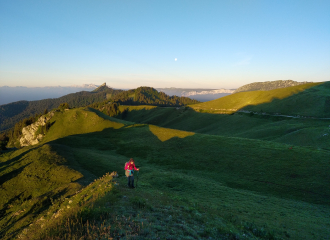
pixel 12 113
pixel 150 96
pixel 269 85
pixel 310 100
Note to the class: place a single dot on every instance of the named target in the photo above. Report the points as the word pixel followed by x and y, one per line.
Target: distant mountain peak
pixel 101 88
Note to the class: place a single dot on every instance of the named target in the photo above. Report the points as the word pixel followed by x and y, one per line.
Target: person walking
pixel 129 172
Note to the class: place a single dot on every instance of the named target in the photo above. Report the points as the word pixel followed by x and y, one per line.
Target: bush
pixel 63 106
pixel 3 141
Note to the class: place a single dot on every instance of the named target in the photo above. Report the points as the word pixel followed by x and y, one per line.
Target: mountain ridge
pixel 310 100
pixel 268 85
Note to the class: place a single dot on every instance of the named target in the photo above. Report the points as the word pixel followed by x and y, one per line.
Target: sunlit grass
pixel 245 182
pixel 294 131
pixel 135 107
pixel 80 120
pixel 164 134
pixel 306 99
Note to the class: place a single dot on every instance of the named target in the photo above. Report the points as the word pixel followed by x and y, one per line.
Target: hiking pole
pixel 137 178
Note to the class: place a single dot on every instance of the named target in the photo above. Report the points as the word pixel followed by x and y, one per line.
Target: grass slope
pixel 29 178
pixel 12 113
pixel 192 185
pixel 294 131
pixel 265 86
pixel 311 99
pixel 32 177
pixel 248 180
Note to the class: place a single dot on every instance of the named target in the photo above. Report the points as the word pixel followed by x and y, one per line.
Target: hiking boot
pixel 132 187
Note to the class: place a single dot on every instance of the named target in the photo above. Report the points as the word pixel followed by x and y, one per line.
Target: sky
pixel 182 44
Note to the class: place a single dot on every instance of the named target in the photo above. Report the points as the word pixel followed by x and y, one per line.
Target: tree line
pixel 150 96
pixel 140 96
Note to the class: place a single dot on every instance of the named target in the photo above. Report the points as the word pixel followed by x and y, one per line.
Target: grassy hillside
pixel 14 112
pixel 29 179
pixel 270 85
pixel 191 185
pixel 230 177
pixel 32 177
pixel 293 131
pixel 311 100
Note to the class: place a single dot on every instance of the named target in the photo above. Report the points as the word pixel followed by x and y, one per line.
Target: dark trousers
pixel 130 181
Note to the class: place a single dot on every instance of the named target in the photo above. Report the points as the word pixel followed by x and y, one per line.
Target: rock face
pixel 29 132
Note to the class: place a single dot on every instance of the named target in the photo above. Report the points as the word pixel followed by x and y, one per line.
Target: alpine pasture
pixel 249 174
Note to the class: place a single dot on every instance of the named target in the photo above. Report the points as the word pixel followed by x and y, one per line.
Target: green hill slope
pixel 310 100
pixel 197 185
pixel 213 171
pixel 14 112
pixel 294 131
pixel 29 179
pixel 33 177
pixel 265 86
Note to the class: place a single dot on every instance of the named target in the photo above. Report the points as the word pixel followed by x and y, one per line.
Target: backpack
pixel 128 172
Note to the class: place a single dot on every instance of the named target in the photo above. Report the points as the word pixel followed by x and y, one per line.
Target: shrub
pixel 63 106
pixel 3 141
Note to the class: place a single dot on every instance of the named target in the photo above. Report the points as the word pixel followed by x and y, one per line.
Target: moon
pixel 175 59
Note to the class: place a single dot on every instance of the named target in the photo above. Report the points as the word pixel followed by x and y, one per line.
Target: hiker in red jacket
pixel 129 172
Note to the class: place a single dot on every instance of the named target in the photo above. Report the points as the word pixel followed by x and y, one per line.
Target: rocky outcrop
pixel 101 88
pixel 29 136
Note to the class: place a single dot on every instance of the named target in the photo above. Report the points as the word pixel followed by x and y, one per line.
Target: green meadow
pixel 310 100
pixel 306 132
pixel 202 176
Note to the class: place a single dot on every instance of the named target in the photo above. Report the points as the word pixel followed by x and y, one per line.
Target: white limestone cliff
pixel 29 136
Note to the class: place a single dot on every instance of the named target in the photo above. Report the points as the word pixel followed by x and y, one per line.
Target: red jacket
pixel 130 166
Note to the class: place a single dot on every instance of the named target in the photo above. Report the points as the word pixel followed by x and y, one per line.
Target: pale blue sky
pixel 218 44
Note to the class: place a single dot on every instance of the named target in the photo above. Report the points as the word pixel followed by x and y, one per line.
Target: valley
pixel 246 174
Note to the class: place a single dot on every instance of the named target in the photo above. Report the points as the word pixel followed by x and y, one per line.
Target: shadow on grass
pixel 42 203
pixel 240 163
pixel 15 160
pixel 6 177
pixel 311 101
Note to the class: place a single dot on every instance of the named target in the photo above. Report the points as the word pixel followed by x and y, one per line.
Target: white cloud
pixel 242 58
pixel 244 61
